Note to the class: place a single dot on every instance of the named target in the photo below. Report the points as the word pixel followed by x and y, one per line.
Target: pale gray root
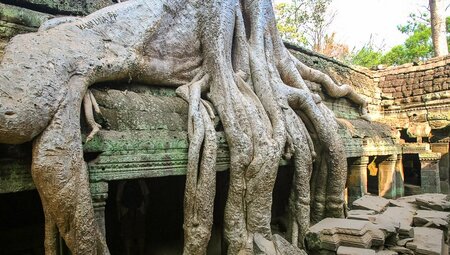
pixel 331 88
pixel 88 106
pixel 200 173
pixel 326 128
pixel 318 193
pixel 246 213
pixel 304 154
pixel 71 211
pixel 299 199
pixel 95 105
pixel 51 23
pixel 50 233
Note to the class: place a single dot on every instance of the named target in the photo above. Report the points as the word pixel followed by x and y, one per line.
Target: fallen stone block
pixel 331 233
pixel 374 203
pixel 360 214
pixel 409 204
pixel 400 216
pixel 386 252
pixel 427 241
pixel 345 250
pixel 401 250
pixel 262 246
pixel 435 219
pixel 285 248
pixel 433 201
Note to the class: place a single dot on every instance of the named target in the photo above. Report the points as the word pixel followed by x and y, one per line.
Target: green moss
pixel 22 16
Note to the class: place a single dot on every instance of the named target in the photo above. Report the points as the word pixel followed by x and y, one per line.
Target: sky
pixel 357 20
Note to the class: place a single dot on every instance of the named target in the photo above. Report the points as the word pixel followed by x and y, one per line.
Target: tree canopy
pixel 305 22
pixel 418 46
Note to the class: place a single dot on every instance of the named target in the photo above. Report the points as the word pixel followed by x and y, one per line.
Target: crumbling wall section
pixel 362 80
pixel 416 96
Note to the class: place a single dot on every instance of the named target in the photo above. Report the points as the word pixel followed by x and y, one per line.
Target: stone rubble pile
pixel 409 225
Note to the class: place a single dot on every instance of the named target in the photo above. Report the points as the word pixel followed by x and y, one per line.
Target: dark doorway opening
pixel 164 217
pixel 411 172
pixel 22 224
pixel 280 204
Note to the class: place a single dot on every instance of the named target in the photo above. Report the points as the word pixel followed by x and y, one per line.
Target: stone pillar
pixel 444 165
pixel 387 177
pixel 357 179
pixel 99 193
pixel 429 172
pixel 399 176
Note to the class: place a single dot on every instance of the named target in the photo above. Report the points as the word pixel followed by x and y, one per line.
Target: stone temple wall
pixel 414 94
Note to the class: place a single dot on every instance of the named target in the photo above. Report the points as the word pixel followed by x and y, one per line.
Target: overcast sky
pixel 356 20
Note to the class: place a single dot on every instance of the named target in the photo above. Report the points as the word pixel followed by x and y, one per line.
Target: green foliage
pixel 367 56
pixel 417 47
pixel 288 22
pixel 303 21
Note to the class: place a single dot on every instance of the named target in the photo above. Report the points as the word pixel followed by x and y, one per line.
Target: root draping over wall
pixel 222 55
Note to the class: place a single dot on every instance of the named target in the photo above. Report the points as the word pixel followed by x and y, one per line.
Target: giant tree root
pixel 228 52
pixel 201 172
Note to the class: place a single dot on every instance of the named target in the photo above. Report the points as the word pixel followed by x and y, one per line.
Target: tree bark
pixel 438 27
pixel 227 52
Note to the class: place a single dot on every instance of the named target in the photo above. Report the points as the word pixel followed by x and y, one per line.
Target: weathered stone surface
pixel 141 107
pixel 407 204
pixel 427 241
pixel 16 20
pixel 401 250
pixel 433 201
pixel 403 242
pixel 262 246
pixel 374 203
pixel 331 233
pixel 345 250
pixel 431 218
pixel 401 217
pixel 360 214
pixel 386 252
pixel 285 248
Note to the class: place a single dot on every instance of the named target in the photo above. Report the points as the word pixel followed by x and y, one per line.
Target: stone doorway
pixel 412 173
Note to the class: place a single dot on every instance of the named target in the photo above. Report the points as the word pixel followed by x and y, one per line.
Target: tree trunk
pixel 438 27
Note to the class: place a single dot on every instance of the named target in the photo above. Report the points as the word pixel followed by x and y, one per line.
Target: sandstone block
pixel 433 219
pixel 331 233
pixel 386 252
pixel 433 201
pixel 401 250
pixel 427 241
pixel 344 250
pixel 374 203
